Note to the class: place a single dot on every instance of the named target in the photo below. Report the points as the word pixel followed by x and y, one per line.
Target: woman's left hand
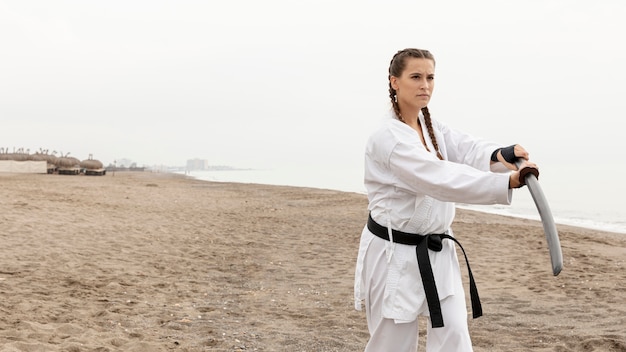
pixel 518 151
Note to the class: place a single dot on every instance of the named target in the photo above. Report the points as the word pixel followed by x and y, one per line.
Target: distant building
pixel 123 162
pixel 197 164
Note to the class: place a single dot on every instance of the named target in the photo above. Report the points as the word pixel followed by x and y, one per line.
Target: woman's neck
pixel 411 117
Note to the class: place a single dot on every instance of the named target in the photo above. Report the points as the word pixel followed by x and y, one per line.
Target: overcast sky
pixel 265 83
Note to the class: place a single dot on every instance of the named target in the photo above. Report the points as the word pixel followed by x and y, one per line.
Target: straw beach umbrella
pixel 92 166
pixel 67 162
pixel 68 165
pixel 38 157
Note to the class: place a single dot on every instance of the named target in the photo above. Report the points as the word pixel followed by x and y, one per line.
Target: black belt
pixel 424 243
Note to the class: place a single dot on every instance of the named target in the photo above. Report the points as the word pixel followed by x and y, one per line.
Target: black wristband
pixel 508 153
pixel 494 155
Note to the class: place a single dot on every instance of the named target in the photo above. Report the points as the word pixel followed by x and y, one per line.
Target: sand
pixel 159 262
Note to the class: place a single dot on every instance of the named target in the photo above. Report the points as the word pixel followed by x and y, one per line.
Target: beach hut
pixel 68 165
pixel 93 167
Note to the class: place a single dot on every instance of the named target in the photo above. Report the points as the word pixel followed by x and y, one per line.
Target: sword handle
pixel 528 170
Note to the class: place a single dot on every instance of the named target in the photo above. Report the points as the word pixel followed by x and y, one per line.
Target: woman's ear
pixel 393 80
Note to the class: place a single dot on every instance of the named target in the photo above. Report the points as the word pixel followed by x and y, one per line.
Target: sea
pixel 583 199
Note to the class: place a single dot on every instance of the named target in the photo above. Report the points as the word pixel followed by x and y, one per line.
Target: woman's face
pixel 415 85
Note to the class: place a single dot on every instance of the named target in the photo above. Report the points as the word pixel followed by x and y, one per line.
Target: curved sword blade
pixel 549 227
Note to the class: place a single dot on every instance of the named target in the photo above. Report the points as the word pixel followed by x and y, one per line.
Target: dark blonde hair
pixel 396 67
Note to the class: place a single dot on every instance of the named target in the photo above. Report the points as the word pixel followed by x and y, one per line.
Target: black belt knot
pixel 424 243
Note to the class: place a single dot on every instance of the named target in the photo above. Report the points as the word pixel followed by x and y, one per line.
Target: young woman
pixel 416 168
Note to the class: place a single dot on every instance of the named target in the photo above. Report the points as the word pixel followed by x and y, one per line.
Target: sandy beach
pixel 140 261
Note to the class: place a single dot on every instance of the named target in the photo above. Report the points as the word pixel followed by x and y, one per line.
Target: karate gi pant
pixel 386 335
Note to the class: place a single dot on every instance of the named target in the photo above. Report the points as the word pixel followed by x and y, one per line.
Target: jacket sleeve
pixel 415 170
pixel 464 148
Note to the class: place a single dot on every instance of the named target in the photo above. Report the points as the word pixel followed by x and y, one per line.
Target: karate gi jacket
pixel 411 190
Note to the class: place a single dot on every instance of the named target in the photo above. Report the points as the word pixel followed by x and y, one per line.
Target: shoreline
pixel 166 262
pixel 586 225
pixel 522 207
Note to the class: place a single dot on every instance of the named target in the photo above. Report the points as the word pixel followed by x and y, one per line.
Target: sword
pixel 549 228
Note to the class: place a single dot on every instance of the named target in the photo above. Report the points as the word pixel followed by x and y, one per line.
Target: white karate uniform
pixel 411 190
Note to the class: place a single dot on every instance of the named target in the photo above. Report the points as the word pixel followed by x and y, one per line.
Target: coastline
pixel 566 211
pixel 590 215
pixel 159 262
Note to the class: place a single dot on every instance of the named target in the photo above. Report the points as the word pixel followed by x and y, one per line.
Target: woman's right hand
pixel 514 177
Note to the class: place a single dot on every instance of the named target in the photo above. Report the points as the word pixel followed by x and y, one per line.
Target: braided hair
pixel 397 65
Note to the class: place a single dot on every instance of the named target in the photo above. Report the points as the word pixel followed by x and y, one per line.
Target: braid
pixel 394 103
pixel 392 92
pixel 431 133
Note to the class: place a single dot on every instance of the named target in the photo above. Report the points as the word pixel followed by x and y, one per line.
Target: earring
pixel 395 98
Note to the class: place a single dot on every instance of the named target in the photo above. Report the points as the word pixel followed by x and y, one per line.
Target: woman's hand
pixel 509 160
pixel 514 177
